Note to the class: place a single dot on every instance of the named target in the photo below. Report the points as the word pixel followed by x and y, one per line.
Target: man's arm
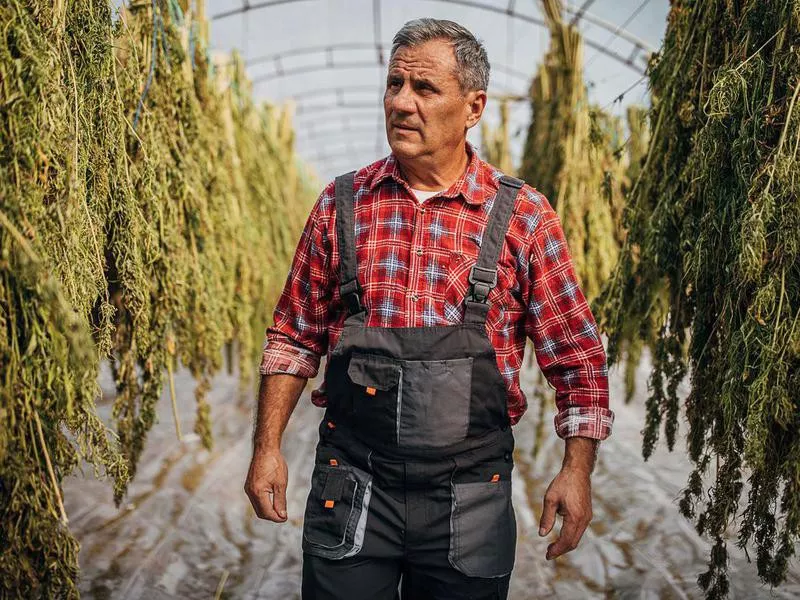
pixel 292 352
pixel 268 474
pixel 572 358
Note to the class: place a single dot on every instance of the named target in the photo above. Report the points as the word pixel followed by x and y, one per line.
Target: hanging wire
pixel 619 97
pixel 618 30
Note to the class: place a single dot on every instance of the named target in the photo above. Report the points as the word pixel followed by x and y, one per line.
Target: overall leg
pixel 373 571
pixel 428 573
pixel 353 578
pixel 461 530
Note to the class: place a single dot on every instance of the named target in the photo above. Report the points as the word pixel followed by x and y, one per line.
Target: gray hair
pixel 472 62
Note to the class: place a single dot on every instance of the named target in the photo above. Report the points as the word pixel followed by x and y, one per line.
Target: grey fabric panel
pixel 337 532
pixel 435 402
pixel 483 528
pixel 371 370
pixel 361 524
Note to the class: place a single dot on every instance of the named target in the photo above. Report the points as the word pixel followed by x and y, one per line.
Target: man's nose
pixel 403 100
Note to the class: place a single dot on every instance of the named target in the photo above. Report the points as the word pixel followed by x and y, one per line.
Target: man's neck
pixel 427 173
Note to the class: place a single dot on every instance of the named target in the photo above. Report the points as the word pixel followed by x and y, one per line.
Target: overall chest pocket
pixel 336 511
pixel 420 404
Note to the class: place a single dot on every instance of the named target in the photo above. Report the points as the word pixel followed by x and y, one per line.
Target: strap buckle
pixel 350 291
pixel 483 281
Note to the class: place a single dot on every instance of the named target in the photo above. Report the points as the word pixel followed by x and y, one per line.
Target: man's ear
pixel 476 102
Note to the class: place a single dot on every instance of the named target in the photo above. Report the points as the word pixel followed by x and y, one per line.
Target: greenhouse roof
pixel 329 57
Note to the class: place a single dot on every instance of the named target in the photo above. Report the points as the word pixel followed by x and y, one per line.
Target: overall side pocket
pixel 336 512
pixel 483 528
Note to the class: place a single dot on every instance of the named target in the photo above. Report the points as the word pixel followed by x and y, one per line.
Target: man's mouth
pixel 404 127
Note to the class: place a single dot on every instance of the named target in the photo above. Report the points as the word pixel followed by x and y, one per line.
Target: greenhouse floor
pixel 186 525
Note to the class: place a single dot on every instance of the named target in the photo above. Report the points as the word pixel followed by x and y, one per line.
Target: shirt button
pixel 414 297
pixel 419 251
pixel 422 210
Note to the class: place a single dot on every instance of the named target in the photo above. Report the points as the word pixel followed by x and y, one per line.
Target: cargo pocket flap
pixel 334 484
pixel 373 371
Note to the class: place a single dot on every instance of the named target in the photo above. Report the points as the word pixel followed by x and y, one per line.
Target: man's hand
pixel 266 480
pixel 266 485
pixel 570 495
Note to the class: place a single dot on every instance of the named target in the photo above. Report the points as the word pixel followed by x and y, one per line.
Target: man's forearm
pixel 277 398
pixel 580 454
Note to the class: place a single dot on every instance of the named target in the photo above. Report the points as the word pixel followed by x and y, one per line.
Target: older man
pixel 420 275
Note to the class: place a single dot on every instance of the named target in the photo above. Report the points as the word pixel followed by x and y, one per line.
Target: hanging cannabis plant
pixel 496 144
pixel 713 232
pixel 564 159
pixel 146 208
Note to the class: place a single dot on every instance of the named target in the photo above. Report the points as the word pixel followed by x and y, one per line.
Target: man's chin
pixel 406 148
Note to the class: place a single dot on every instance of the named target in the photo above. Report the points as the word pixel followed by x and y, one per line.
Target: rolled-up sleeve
pixel 298 337
pixel 565 337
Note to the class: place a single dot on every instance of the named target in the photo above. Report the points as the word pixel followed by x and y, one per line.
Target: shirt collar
pixel 475 185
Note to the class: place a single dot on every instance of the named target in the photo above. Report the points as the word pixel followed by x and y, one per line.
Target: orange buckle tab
pixel 328 503
pixel 371 391
pixel 495 477
pixel 331 425
pixel 334 462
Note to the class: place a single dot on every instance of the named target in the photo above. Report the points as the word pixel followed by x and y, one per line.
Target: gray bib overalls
pixel 412 471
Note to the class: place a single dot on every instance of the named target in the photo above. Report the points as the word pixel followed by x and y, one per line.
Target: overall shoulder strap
pixel 349 288
pixel 483 275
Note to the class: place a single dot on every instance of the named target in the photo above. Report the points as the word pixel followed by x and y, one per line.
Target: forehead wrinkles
pixel 423 64
pixel 419 68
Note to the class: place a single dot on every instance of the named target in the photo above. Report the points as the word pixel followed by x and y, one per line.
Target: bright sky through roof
pixel 323 54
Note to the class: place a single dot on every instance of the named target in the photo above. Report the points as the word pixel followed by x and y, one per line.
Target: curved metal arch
pixel 304 110
pixel 355 118
pixel 639 45
pixel 578 14
pixel 327 48
pixel 348 111
pixel 281 72
pixel 312 134
pixel 330 90
pixel 340 91
pixel 350 150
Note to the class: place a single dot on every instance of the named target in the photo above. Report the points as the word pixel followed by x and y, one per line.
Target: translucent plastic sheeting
pixel 187 522
pixel 329 57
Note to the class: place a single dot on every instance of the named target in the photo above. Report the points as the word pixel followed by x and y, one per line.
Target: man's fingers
pixel 548 515
pixel 279 500
pixel 568 538
pixel 263 503
pixel 266 486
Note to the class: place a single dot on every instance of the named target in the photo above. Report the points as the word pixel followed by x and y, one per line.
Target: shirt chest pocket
pixel 457 287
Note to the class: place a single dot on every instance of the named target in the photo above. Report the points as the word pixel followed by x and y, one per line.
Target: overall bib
pixel 412 472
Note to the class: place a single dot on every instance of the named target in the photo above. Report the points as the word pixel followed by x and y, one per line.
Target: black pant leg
pixel 435 581
pixel 428 573
pixel 355 578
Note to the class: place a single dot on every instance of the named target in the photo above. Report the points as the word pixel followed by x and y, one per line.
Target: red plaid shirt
pixel 413 264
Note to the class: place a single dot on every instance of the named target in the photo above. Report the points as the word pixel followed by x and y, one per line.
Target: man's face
pixel 423 104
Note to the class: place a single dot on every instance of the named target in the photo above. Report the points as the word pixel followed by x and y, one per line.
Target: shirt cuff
pixel 585 421
pixel 284 357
